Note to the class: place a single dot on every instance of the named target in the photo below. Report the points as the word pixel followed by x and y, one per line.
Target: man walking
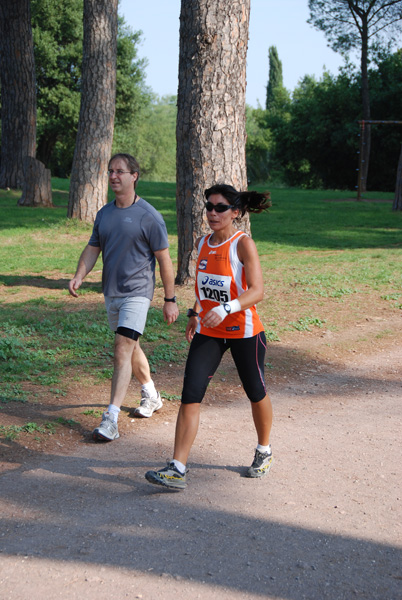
pixel 131 234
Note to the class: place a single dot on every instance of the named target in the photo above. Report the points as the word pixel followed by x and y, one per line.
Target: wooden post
pixel 37 190
pixel 363 132
pixel 360 168
pixel 397 205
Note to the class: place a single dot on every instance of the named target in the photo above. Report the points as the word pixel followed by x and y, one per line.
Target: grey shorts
pixel 130 312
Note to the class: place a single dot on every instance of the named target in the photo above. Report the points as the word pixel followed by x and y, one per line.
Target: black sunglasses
pixel 219 208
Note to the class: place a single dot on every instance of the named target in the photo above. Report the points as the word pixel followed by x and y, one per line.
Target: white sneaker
pixel 148 405
pixel 107 430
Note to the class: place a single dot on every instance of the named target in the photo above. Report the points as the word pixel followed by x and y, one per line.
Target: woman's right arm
pixel 193 321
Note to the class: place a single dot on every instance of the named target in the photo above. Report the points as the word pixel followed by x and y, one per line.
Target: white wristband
pixel 234 308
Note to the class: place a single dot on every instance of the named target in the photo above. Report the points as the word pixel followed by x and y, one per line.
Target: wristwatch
pixel 191 313
pixel 170 299
pixel 227 308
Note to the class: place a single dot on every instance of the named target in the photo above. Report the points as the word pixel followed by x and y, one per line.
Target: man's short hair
pixel 132 164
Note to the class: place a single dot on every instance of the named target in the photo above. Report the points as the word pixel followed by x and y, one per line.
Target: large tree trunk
pixel 211 131
pixel 37 189
pixel 18 93
pixel 88 182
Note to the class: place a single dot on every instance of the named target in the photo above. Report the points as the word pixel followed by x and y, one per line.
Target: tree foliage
pixel 259 146
pixel 317 145
pixel 57 32
pixel 347 24
pixel 314 140
pixel 366 25
pixel 275 77
pixel 58 37
pixel 151 137
pixel 132 93
pixel 386 87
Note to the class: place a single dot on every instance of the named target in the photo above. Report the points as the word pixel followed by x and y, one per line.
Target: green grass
pixel 34 240
pixel 45 342
pixel 318 250
pixel 11 432
pixel 327 220
pixel 326 245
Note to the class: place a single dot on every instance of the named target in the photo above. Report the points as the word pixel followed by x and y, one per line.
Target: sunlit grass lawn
pixel 322 254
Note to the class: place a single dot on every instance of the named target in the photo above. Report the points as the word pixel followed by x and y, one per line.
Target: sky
pixel 282 23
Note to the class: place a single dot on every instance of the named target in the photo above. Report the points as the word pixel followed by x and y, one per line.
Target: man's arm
pixel 86 263
pixel 170 310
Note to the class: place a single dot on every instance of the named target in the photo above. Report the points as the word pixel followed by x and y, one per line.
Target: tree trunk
pixel 366 132
pixel 37 190
pixel 88 182
pixel 398 187
pixel 18 92
pixel 211 131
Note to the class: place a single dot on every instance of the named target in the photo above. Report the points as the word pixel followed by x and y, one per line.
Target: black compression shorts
pixel 204 357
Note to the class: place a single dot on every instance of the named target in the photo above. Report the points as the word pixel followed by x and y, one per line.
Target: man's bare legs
pixel 140 365
pixel 123 351
pixel 129 359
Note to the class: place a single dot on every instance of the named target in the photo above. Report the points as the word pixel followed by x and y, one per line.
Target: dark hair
pixel 131 163
pixel 251 202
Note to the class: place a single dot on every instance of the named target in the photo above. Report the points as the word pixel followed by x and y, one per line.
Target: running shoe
pixel 148 405
pixel 261 464
pixel 169 477
pixel 107 430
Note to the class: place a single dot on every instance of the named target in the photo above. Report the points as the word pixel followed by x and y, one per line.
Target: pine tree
pixel 275 78
pixel 88 182
pixel 211 127
pixel 18 97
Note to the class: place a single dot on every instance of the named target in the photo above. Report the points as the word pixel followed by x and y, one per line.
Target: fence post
pixel 397 205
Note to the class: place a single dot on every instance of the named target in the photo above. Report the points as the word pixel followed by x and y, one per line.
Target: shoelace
pixel 146 402
pixel 260 456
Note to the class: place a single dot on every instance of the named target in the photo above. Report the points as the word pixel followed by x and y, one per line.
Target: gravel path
pixel 324 524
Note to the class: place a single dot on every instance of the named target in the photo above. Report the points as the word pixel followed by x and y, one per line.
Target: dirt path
pixel 324 524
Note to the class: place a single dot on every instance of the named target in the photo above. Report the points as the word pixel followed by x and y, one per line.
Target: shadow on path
pixel 103 512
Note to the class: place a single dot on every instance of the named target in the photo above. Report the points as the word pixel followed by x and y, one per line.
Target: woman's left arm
pixel 248 255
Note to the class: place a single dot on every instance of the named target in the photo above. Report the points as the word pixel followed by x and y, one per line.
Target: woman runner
pixel 228 285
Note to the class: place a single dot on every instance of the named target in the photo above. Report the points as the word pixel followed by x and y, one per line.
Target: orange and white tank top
pixel 220 278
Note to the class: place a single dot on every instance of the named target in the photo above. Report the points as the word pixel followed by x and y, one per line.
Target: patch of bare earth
pixel 360 335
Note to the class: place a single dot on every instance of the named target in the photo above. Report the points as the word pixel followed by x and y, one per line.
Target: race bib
pixel 214 287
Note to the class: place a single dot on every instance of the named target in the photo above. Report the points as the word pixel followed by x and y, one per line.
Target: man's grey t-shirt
pixel 128 238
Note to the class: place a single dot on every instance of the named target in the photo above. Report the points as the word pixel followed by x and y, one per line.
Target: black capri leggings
pixel 204 357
